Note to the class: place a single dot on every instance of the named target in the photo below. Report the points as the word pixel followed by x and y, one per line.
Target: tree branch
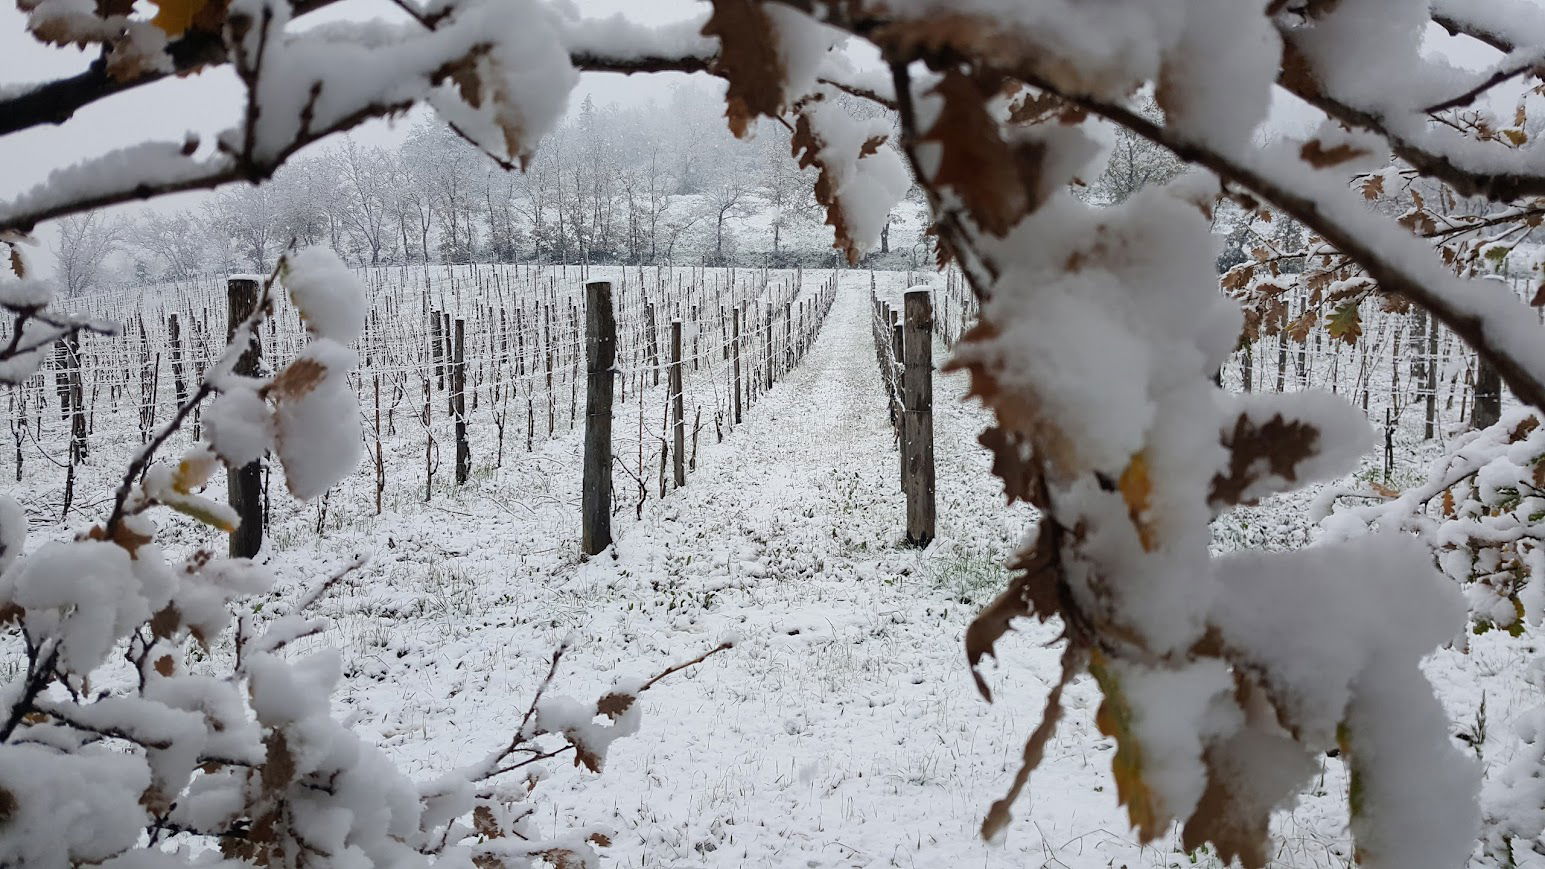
pixel 1499 186
pixel 1486 84
pixel 57 101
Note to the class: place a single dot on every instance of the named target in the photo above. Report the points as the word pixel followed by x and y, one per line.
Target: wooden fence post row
pixel 739 322
pixel 448 356
pixel 904 353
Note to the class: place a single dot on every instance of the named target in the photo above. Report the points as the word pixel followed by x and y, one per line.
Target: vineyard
pixel 792 534
pixel 1181 504
pixel 486 357
pixel 521 352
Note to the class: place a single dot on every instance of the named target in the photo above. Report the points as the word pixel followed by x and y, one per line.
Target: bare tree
pixel 176 241
pixel 368 182
pixel 86 242
pixel 1135 162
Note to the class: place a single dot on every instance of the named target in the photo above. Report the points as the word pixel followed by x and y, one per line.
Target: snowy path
pixel 843 730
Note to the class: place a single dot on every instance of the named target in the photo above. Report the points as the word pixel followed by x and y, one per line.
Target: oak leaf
pixel 1032 591
pixel 807 148
pixel 998 815
pixel 1136 487
pixel 1346 323
pixel 997 183
pixel 1116 719
pixel 1372 187
pixel 174 17
pixel 1278 446
pixel 1317 155
pixel 748 62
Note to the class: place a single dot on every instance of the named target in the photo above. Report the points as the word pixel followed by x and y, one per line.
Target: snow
pixel 328 295
pixel 803 44
pixel 844 729
pixel 1105 337
pixel 1392 605
pixel 619 38
pixel 85 594
pixel 1356 663
pixel 239 426
pixel 26 292
pixel 151 164
pixel 1344 436
pixel 1100 49
pixel 1174 711
pixel 1520 23
pixel 866 186
pixel 316 428
pixel 1219 74
pixel 13 531
pixel 1514 800
pixel 82 806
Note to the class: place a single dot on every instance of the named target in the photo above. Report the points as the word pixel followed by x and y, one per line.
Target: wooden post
pixel 917 424
pixel 735 350
pixel 435 348
pixel 679 441
pixel 179 366
pixel 547 363
pixel 767 351
pixel 654 344
pixel 1488 395
pixel 78 395
pixel 898 384
pixel 600 356
pixel 445 354
pixel 1389 443
pixel 1429 428
pixel 459 394
pixel 244 485
pixel 788 337
pixel 429 442
pixel 375 386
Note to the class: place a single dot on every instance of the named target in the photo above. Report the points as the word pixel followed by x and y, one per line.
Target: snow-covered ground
pixel 844 728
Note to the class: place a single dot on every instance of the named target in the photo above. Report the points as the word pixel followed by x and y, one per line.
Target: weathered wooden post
pixel 435 349
pixel 547 362
pixel 459 396
pixel 600 356
pixel 446 353
pixel 1488 395
pixel 244 485
pixel 767 351
pixel 678 410
pixel 654 343
pixel 375 387
pixel 179 366
pixel 735 351
pixel 917 423
pixel 78 396
pixel 788 337
pixel 897 359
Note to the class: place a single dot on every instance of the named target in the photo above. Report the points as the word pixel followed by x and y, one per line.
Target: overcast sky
pixel 209 101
